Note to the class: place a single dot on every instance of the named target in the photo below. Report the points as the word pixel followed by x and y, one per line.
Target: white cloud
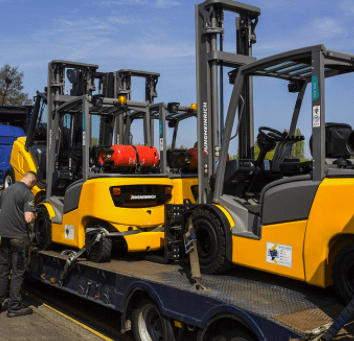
pixel 167 3
pixel 347 6
pixel 110 3
pixel 326 27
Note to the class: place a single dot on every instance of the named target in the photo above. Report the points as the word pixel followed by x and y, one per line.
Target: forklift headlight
pixel 122 100
pixel 193 107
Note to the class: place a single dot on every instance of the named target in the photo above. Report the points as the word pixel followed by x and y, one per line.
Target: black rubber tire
pixel 233 334
pixel 40 199
pixel 148 324
pixel 101 251
pixel 43 229
pixel 343 274
pixel 211 242
pixel 9 178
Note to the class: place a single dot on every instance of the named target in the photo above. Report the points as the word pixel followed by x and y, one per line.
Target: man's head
pixel 30 179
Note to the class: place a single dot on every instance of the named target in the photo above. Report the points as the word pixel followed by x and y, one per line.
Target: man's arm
pixel 29 209
pixel 30 217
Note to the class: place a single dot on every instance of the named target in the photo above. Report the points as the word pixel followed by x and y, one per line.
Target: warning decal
pixel 279 254
pixel 69 232
pixel 316 116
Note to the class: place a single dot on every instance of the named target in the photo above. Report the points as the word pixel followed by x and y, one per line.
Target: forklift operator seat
pixel 336 135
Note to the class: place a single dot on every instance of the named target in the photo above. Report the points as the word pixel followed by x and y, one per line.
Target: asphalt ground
pixel 43 324
pixel 58 316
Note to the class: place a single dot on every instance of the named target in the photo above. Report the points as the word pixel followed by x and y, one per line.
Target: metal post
pixel 86 137
pixel 162 140
pixel 244 47
pixel 318 115
pixel 214 119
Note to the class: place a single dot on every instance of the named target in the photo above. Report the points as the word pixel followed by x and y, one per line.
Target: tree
pixel 11 86
pixel 298 149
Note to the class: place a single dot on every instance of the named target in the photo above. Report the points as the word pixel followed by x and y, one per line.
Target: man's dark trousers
pixel 13 256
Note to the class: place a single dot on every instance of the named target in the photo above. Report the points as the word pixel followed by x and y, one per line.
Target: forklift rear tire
pixel 343 274
pixel 211 242
pixel 9 178
pixel 101 251
pixel 43 229
pixel 148 324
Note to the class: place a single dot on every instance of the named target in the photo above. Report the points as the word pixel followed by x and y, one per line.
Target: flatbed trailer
pixel 267 306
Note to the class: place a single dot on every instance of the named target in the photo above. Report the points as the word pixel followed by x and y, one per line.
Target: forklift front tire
pixel 211 242
pixel 343 274
pixel 43 229
pixel 101 251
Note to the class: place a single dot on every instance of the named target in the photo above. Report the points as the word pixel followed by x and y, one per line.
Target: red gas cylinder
pixel 129 156
pixel 194 158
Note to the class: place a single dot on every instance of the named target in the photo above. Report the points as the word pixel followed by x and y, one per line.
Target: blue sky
pixel 159 36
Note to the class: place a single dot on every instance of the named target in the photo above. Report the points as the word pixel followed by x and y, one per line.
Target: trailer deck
pixel 273 307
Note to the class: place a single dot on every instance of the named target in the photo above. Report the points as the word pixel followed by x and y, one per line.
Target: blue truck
pixel 14 121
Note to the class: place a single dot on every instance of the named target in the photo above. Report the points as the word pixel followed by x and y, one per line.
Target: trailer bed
pixel 275 307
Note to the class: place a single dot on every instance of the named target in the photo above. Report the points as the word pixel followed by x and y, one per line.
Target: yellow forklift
pixel 95 197
pixel 285 216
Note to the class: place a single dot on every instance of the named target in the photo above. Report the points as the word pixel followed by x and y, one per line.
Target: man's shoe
pixel 3 307
pixel 20 312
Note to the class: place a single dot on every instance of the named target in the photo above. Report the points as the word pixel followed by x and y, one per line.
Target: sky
pixel 159 36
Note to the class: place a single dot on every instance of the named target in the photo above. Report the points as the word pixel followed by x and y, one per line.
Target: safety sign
pixel 69 232
pixel 279 254
pixel 316 116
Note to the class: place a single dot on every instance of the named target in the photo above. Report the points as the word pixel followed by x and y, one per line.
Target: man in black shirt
pixel 17 211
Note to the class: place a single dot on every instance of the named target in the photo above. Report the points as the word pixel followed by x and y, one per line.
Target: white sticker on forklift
pixel 316 116
pixel 69 232
pixel 279 254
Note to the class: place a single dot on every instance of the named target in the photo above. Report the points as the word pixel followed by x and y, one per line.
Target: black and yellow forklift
pixel 286 216
pixel 93 197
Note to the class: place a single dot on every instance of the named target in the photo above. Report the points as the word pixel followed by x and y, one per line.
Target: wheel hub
pixel 150 324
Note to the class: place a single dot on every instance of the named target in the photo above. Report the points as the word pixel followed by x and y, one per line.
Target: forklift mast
pixel 122 87
pixel 210 60
pixel 82 78
pixel 114 85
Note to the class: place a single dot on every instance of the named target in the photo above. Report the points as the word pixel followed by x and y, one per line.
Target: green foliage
pixel 298 149
pixel 269 155
pixel 11 86
pixel 93 141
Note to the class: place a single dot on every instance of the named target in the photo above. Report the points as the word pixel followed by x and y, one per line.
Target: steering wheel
pixel 271 134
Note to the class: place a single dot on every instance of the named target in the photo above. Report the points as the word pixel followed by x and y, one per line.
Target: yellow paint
pixel 58 230
pixel 182 189
pixel 332 214
pixel 49 208
pixel 96 203
pixel 252 252
pixel 80 324
pixel 315 242
pixel 146 241
pixel 177 324
pixel 22 162
pixel 228 216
